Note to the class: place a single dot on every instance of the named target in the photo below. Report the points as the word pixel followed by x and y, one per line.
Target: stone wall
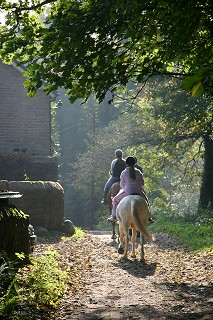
pixel 43 201
pixel 20 167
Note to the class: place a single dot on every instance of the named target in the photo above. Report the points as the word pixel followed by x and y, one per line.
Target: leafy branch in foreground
pixel 100 46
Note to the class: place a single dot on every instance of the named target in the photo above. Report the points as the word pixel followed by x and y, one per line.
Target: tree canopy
pixel 100 46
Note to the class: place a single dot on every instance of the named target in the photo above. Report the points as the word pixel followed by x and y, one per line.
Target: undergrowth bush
pixel 26 290
pixel 36 286
pixel 8 270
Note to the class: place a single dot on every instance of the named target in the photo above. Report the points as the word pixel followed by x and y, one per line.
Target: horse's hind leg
pixel 121 239
pixel 126 232
pixel 113 231
pixel 133 255
pixel 142 239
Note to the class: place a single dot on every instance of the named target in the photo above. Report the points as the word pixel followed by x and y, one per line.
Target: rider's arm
pixel 122 180
pixel 142 180
pixel 112 166
pixel 139 178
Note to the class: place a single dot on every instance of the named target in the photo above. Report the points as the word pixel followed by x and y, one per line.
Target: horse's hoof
pixel 120 250
pixel 113 237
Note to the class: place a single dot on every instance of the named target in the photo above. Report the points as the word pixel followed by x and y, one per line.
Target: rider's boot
pixel 112 218
pixel 104 201
pixel 150 221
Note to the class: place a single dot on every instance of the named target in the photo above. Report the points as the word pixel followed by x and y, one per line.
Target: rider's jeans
pixel 110 183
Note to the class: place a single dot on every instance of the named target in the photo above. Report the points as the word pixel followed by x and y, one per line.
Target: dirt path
pixel 172 284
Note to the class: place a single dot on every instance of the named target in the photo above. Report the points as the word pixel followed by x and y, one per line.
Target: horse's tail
pixel 139 212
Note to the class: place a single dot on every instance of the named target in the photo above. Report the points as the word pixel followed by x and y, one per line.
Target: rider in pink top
pixel 131 182
pixel 129 185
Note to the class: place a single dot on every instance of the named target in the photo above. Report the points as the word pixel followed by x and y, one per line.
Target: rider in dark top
pixel 137 165
pixel 117 166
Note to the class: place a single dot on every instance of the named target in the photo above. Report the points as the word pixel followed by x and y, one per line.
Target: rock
pixel 68 228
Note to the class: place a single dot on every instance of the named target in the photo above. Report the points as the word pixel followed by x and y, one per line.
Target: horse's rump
pixel 133 209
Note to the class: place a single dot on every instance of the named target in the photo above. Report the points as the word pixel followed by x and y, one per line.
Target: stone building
pixel 25 130
pixel 25 150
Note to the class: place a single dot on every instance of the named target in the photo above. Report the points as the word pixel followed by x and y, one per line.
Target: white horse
pixel 133 212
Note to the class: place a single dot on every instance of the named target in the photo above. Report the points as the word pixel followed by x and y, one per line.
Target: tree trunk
pixel 206 191
pixel 92 187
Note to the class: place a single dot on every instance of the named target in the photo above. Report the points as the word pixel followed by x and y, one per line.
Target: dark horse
pixel 115 188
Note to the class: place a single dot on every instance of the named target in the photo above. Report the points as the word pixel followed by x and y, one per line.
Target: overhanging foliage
pixel 99 46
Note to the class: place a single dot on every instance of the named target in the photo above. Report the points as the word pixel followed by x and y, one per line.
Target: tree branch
pixel 19 9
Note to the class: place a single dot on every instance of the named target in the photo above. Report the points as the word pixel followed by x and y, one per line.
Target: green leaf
pixel 189 82
pixel 198 89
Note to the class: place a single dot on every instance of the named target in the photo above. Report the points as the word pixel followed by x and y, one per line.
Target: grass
pixel 196 232
pixel 79 233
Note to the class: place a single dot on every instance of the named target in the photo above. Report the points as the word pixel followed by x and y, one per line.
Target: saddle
pixel 135 194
